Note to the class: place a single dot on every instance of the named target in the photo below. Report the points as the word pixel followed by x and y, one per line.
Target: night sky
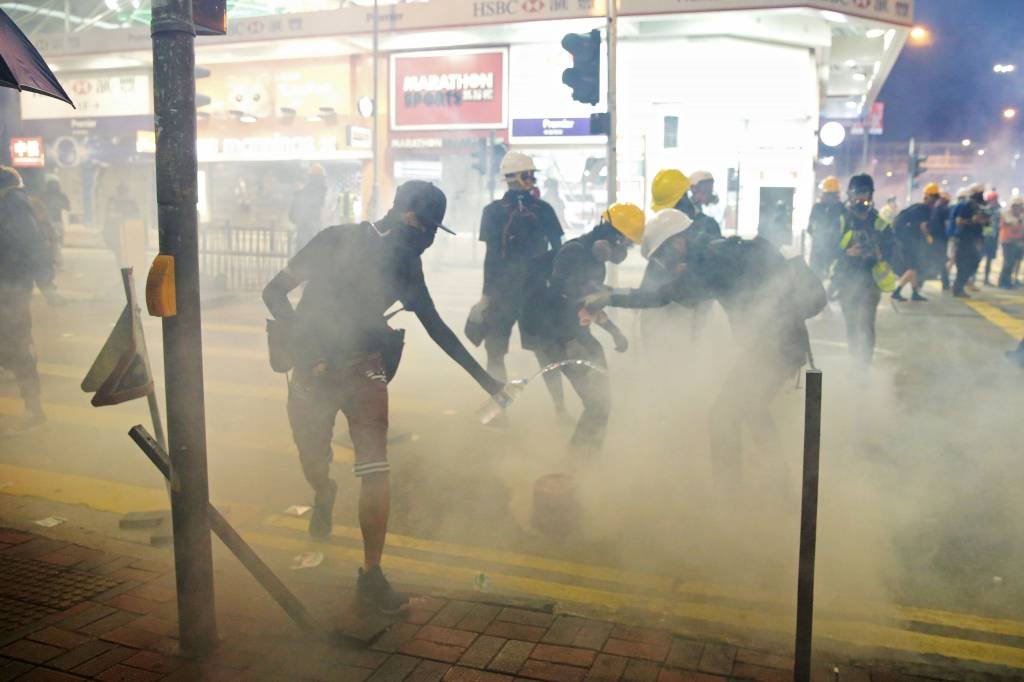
pixel 947 91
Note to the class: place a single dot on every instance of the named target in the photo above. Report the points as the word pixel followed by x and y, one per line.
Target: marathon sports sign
pixel 415 16
pixel 449 90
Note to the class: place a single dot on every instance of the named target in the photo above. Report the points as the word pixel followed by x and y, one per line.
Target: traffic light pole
pixel 613 45
pixel 174 94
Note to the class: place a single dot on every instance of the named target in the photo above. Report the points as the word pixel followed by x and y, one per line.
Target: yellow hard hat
pixel 931 189
pixel 831 184
pixel 628 219
pixel 668 188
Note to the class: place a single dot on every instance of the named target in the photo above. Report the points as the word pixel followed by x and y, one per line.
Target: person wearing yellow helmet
pixel 668 189
pixel 913 239
pixel 767 299
pixel 562 327
pixel 823 226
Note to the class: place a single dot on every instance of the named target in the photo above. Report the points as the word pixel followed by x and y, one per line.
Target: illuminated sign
pixel 27 152
pixel 449 90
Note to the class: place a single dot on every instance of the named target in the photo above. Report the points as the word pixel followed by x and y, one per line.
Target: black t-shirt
pixel 516 229
pixel 908 222
pixel 967 212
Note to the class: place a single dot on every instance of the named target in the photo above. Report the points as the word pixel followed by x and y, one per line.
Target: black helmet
pixel 861 183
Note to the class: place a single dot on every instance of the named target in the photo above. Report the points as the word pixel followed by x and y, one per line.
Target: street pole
pixel 174 94
pixel 911 167
pixel 613 46
pixel 808 528
pixel 375 190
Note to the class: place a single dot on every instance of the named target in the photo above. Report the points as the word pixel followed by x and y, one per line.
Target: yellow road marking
pixel 862 634
pixel 122 498
pixel 1008 323
pixel 109 496
pixel 121 419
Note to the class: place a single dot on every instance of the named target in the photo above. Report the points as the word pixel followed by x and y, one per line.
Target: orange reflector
pixel 161 300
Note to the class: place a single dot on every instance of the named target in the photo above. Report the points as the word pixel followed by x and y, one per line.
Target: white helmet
pixel 961 193
pixel 517 162
pixel 666 224
pixel 976 188
pixel 700 176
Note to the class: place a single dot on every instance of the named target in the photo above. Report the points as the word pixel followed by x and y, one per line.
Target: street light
pixel 920 36
pixel 966 142
pixel 1004 68
pixel 832 134
pixel 1009 113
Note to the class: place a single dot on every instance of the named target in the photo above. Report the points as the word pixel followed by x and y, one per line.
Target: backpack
pixel 522 236
pixel 807 294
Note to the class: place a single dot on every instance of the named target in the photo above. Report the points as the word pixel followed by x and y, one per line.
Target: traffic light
pixel 584 77
pixel 498 151
pixel 915 163
pixel 210 17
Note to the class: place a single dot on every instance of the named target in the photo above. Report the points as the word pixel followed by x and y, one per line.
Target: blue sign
pixel 550 127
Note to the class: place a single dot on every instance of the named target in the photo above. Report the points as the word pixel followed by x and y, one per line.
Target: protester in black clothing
pixel 862 269
pixel 553 315
pixel 913 237
pixel 971 219
pixel 517 229
pixel 938 247
pixel 767 300
pixel 702 193
pixel 25 263
pixel 343 354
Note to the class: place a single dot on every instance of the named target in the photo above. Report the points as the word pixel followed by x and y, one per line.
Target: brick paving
pixel 128 632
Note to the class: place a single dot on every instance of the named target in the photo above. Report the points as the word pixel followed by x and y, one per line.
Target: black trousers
pixel 968 258
pixel 591 385
pixel 859 303
pixel 16 348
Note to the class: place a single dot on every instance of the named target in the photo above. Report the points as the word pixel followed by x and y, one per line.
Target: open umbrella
pixel 21 65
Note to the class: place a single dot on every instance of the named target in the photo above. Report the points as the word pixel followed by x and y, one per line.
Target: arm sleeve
pixel 552 227
pixel 299 269
pixel 418 300
pixel 490 235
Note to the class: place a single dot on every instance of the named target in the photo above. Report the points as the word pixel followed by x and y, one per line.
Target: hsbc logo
pixel 498 8
pixel 858 4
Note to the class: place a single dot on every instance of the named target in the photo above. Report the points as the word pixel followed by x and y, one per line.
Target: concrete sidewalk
pixel 74 611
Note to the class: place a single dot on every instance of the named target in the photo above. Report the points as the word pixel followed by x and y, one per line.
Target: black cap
pixel 425 200
pixel 861 183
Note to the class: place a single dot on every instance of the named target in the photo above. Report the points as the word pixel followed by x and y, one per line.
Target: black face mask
pixel 860 206
pixel 414 241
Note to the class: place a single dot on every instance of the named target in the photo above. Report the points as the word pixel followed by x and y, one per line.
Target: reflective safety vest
pixel 871 242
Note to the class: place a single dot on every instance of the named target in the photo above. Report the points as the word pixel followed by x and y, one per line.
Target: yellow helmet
pixel 668 188
pixel 628 219
pixel 831 185
pixel 931 189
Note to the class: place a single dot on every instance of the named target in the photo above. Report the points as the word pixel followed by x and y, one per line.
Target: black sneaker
pixel 322 520
pixel 374 591
pixel 960 294
pixel 897 296
pixel 918 297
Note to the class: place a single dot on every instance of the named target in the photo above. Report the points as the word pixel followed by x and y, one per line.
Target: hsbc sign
pixel 523 8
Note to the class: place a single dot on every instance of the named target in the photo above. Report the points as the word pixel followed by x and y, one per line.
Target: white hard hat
pixel 700 176
pixel 666 224
pixel 517 162
pixel 961 193
pixel 976 188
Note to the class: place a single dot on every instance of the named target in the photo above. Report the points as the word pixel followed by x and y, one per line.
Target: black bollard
pixel 808 527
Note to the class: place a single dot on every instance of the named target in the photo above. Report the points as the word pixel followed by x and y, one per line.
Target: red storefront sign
pixel 27 152
pixel 449 90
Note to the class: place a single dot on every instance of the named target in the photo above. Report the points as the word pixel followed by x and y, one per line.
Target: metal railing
pixel 243 258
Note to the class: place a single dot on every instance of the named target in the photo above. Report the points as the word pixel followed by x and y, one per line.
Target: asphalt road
pixel 920 492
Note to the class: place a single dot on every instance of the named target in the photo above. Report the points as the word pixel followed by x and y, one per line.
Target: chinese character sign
pixel 27 152
pixel 454 89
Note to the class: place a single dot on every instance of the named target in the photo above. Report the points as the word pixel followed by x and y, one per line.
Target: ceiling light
pixel 875 33
pixel 859 77
pixel 832 134
pixel 850 63
pixel 834 17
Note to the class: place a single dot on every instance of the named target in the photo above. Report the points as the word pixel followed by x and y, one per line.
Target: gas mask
pixel 860 205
